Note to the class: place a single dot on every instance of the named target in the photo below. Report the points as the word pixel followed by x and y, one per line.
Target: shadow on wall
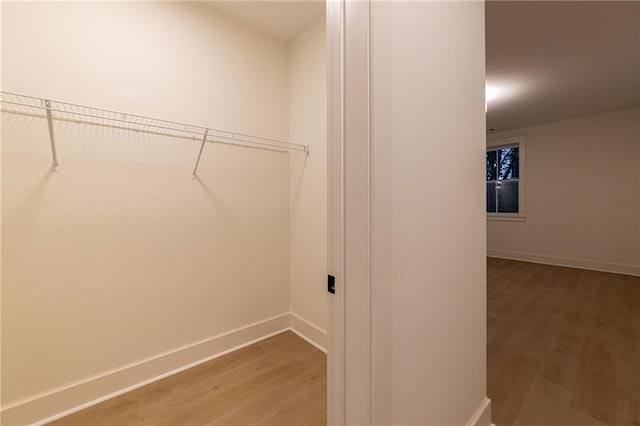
pixel 215 201
pixel 28 207
pixel 297 163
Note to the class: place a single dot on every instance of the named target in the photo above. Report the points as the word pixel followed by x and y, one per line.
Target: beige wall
pixel 427 213
pixel 408 242
pixel 121 255
pixel 439 225
pixel 582 195
pixel 308 181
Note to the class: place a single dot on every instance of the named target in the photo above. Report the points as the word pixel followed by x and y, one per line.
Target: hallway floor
pixel 279 381
pixel 563 345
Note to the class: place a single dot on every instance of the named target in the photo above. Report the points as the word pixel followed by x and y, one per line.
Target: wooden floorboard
pixel 279 381
pixel 563 345
pixel 563 349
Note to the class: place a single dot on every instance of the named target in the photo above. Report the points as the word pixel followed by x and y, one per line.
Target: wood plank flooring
pixel 563 349
pixel 563 345
pixel 279 381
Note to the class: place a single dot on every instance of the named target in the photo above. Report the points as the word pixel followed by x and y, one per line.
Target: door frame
pixel 349 362
pixel 335 210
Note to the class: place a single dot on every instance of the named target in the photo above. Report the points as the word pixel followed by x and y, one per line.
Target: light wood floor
pixel 563 345
pixel 563 349
pixel 279 381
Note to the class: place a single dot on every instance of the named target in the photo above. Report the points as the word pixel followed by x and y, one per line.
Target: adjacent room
pixel 164 203
pixel 563 212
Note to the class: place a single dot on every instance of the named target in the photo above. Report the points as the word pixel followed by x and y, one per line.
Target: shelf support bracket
pixel 54 165
pixel 204 140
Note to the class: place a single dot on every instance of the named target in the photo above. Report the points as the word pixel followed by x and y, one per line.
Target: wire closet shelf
pixel 51 110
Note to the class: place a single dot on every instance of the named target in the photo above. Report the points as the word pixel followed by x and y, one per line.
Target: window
pixel 503 167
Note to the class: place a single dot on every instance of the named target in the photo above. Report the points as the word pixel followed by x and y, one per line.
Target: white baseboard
pixel 67 399
pixel 64 400
pixel 616 268
pixel 308 331
pixel 482 415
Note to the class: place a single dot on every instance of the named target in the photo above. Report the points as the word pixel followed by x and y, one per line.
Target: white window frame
pixel 505 142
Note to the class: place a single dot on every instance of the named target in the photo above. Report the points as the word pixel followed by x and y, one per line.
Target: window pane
pixel 491 197
pixel 491 165
pixel 509 163
pixel 508 197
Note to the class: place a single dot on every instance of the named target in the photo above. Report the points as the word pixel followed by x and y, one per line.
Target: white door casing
pixel 349 360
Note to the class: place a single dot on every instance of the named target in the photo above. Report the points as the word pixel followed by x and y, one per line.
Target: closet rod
pixel 15 103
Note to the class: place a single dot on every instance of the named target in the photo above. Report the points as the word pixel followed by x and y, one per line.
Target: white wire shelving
pixel 52 111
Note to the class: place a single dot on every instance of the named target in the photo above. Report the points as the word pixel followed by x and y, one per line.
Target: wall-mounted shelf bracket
pixel 52 139
pixel 204 141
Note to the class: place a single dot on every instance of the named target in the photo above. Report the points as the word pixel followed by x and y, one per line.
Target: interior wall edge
pixel 308 331
pixel 65 400
pixel 482 415
pixel 594 265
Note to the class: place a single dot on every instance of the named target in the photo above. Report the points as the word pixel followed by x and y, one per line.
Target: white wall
pixel 438 127
pixel 582 195
pixel 408 242
pixel 414 243
pixel 121 256
pixel 308 183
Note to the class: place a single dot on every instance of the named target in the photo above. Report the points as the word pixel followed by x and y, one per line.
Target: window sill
pixel 506 217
